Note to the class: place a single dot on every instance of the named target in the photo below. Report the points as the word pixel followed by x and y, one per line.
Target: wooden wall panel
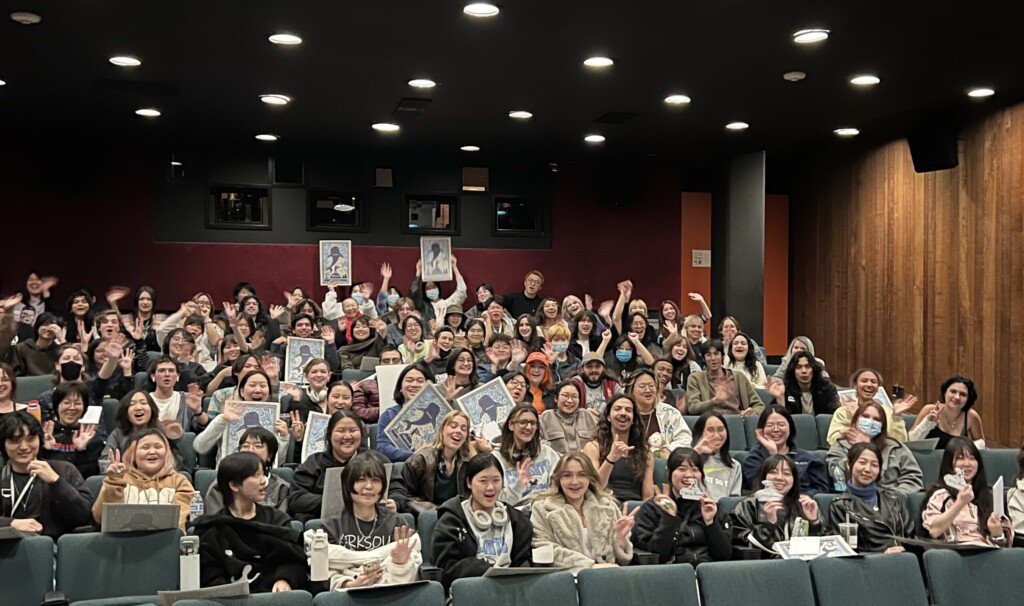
pixel 919 276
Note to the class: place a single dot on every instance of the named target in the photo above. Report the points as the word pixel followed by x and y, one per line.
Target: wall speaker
pixel 933 148
pixel 383 177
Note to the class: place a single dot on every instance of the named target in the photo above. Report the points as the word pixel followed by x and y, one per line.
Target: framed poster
pixel 418 420
pixel 298 353
pixel 489 403
pixel 436 258
pixel 336 262
pixel 252 414
pixel 315 438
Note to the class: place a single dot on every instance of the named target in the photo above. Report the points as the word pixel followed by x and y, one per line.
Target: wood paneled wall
pixel 920 276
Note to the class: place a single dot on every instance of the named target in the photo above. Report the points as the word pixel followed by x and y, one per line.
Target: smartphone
pixel 898 391
pixel 371 566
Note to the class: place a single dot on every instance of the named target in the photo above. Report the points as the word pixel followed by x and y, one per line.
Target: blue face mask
pixel 433 293
pixel 623 355
pixel 357 297
pixel 869 427
pixel 560 346
pixel 392 299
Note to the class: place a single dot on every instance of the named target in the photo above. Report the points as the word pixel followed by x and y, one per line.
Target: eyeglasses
pixel 533 282
pixel 772 426
pixel 569 396
pixel 526 423
pixel 516 383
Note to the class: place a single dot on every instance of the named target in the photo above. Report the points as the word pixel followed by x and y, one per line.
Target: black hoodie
pixel 455 545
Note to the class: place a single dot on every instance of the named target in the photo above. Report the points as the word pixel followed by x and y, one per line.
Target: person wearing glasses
pixel 526 462
pixel 526 302
pixel 568 428
pixel 664 428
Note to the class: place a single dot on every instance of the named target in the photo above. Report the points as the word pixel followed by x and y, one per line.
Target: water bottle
pixel 34 410
pixel 195 507
pixel 838 477
pixel 318 557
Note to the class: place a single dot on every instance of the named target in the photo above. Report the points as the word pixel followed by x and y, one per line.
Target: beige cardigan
pixel 557 524
pixel 700 397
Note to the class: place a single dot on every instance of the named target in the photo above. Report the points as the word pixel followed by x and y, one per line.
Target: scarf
pixel 868 494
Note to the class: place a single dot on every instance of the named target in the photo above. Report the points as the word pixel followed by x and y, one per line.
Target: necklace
pixel 647 424
pixel 359 527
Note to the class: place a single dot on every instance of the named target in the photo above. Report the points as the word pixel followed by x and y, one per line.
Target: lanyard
pixel 25 491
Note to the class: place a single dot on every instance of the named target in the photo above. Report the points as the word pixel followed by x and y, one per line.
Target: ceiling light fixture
pixel 175 163
pixel 520 114
pixel 481 9
pixel 737 126
pixel 470 148
pixel 594 138
pixel 598 62
pixel 125 61
pixel 275 99
pixel 847 131
pixel 286 39
pixel 386 127
pixel 147 112
pixel 422 83
pixel 2 83
pixel 865 80
pixel 25 18
pixel 267 137
pixel 810 36
pixel 677 99
pixel 979 93
pixel 794 76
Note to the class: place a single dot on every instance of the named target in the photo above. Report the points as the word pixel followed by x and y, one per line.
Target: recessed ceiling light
pixel 794 76
pixel 175 163
pixel 2 83
pixel 810 36
pixel 267 137
pixel 520 114
pixel 386 127
pixel 598 62
pixel 125 61
pixel 737 126
pixel 481 9
pixel 25 17
pixel 470 148
pixel 847 132
pixel 594 138
pixel 287 39
pixel 275 99
pixel 422 83
pixel 865 80
pixel 677 99
pixel 148 112
pixel 981 92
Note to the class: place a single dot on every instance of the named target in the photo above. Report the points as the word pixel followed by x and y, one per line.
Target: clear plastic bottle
pixel 838 477
pixel 195 507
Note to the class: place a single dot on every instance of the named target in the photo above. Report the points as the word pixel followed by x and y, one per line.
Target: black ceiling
pixel 205 63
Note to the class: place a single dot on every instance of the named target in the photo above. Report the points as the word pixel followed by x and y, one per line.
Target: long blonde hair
pixel 555 489
pixel 467 450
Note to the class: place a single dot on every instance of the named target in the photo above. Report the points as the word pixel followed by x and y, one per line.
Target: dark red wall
pixel 93 228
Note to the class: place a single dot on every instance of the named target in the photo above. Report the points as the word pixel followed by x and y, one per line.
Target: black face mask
pixel 70 371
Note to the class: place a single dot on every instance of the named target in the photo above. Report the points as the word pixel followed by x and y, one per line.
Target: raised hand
pixel 965 496
pixel 703 447
pixel 115 294
pixel 276 311
pixel 619 449
pixel 135 329
pixel 721 394
pixel 933 416
pixel 83 335
pixel 327 333
pixel 633 338
pixel 778 391
pixel 605 308
pixel 127 361
pixel 49 442
pixel 297 427
pixel 451 388
pixel 385 271
pixel 270 365
pixel 523 472
pixel 257 340
pixel 903 404
pixel 48 283
pixel 588 301
pixel 419 268
pixel 455 263
pixel 492 356
pixel 769 445
pixel 671 327
pixel 233 410
pixel 83 435
pixel 194 399
pixel 708 509
pixel 549 350
pixel 855 436
pixel 292 300
pixel 433 353
pixel 624 525
pixel 606 337
pixel 518 351
pixel 403 545
pixel 9 303
pixel 771 510
pixel 809 507
pixel 117 466
pixel 229 312
pixel 696 296
pixel 379 325
pixel 281 428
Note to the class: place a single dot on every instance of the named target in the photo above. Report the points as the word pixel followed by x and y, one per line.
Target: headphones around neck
pixel 483 521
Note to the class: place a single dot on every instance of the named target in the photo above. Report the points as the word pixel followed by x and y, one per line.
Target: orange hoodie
pixel 537 392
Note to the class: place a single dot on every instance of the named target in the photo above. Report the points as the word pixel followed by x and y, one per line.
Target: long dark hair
pixel 972 393
pixel 982 494
pixel 344 413
pixel 858 449
pixel 508 438
pixel 453 358
pixel 536 341
pixel 594 337
pixel 817 375
pixel 791 500
pixel 698 433
pixel 121 416
pixel 419 367
pixel 637 438
pixel 612 364
pixel 750 362
pixel 780 410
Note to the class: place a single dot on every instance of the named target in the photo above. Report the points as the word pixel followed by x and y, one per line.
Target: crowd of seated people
pixel 599 394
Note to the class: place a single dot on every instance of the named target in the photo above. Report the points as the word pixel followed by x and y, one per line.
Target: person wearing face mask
pixel 879 512
pixel 582 524
pixel 899 469
pixel 35 356
pixel 43 497
pixel 255 387
pixel 723 476
pixel 952 416
pixel 770 514
pixel 65 438
pixel 961 511
pixel 434 474
pixel 867 382
pixel 427 297
pixel 776 434
pixel 797 345
pixel 598 385
pixel 388 296
pixel 568 428
pixel 805 388
pixel 71 367
pixel 366 531
pixel 478 532
pixel 247 534
pixel 135 412
pixel 410 381
pixel 526 461
pixel 664 428
pixel 366 393
pixel 440 347
pixel 682 523
pixel 563 364
pixel 265 445
pixel 145 475
pixel 719 388
pixel 624 465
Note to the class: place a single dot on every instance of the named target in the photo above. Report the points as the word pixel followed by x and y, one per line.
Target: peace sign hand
pixel 297 427
pixel 523 471
pixel 117 466
pixel 663 499
pixel 624 525
pixel 49 442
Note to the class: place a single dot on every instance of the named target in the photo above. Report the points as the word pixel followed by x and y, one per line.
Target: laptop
pixel 121 517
